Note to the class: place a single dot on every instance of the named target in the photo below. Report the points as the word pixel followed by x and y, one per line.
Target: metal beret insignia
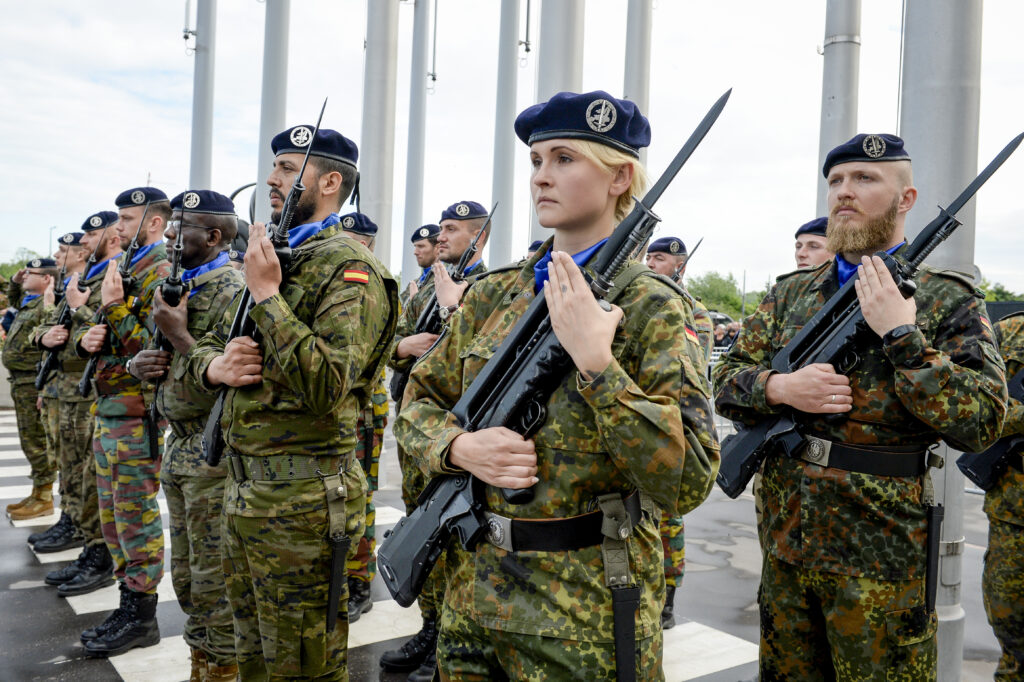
pixel 95 221
pixel 35 264
pixel 874 146
pixel 462 210
pixel 424 232
pixel 138 197
pixel 300 136
pixel 67 239
pixel 601 116
pixel 190 200
pixel 674 247
pixel 349 222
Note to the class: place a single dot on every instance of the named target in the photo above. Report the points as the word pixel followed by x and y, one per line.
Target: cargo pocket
pixel 910 634
pixel 298 645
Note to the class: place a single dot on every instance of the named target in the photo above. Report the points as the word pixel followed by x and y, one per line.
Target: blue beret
pixel 72 239
pixel 425 232
pixel 41 263
pixel 358 223
pixel 138 196
pixel 464 210
pixel 329 144
pixel 594 116
pixel 97 221
pixel 671 245
pixel 236 255
pixel 866 148
pixel 816 226
pixel 535 246
pixel 203 201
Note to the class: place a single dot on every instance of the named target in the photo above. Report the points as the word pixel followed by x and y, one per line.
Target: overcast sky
pixel 97 99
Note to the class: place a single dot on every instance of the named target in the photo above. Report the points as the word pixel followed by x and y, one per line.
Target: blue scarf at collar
pixel 28 298
pixel 846 270
pixel 189 275
pixel 423 277
pixel 141 253
pixel 67 281
pixel 299 234
pixel 99 267
pixel 540 270
pixel 471 268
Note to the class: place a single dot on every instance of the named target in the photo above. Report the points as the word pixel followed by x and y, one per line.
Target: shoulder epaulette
pixel 504 268
pixel 802 271
pixel 960 277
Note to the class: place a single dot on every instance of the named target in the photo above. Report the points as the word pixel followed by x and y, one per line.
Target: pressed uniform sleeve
pixel 407 327
pixel 129 322
pixel 210 345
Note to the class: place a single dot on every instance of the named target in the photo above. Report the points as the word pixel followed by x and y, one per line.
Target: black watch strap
pixel 898 332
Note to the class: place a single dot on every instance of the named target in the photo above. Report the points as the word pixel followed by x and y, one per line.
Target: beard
pixel 303 212
pixel 874 235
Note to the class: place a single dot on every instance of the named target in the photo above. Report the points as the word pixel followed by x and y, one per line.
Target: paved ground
pixel 716 642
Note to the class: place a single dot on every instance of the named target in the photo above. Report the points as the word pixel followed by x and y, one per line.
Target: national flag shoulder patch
pixel 692 334
pixel 360 276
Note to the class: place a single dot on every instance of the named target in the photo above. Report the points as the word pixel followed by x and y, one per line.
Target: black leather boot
pixel 66 573
pixel 359 601
pixel 137 628
pixel 113 619
pixel 668 618
pixel 62 523
pixel 412 654
pixel 97 571
pixel 425 673
pixel 60 539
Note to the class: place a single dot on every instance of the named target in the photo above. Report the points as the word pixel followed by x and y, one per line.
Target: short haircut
pixel 349 174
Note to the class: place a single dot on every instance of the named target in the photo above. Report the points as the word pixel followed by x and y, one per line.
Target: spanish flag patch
pixel 357 276
pixel 692 334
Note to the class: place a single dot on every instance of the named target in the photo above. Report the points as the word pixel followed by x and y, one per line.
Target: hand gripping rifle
pixel 985 468
pixel 49 361
pixel 677 275
pixel 833 336
pixel 126 281
pixel 512 390
pixel 429 320
pixel 242 324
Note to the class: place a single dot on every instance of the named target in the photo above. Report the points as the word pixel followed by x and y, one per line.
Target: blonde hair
pixel 610 159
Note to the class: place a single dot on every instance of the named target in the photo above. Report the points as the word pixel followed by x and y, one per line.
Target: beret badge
pixel 300 136
pixel 67 239
pixel 191 200
pixel 138 197
pixel 601 116
pixel 674 247
pixel 95 221
pixel 874 146
pixel 35 264
pixel 348 222
pixel 424 232
pixel 462 210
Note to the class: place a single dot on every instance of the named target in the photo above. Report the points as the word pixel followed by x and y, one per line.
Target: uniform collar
pixel 845 269
pixel 298 235
pixel 540 268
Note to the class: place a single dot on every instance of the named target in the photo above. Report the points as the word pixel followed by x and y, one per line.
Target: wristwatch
pixel 898 332
pixel 446 311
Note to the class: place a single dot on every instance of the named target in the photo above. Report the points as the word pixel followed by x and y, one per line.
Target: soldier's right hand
pixel 240 365
pixel 94 339
pixel 415 345
pixel 75 297
pixel 55 337
pixel 497 456
pixel 150 364
pixel 815 389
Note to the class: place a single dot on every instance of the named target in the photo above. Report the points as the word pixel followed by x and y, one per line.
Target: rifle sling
pixel 888 460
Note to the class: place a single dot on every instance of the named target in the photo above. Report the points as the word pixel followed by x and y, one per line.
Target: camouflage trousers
pixel 128 479
pixel 413 482
pixel 277 571
pixel 31 434
pixel 50 416
pixel 79 498
pixel 673 542
pixel 1002 585
pixel 825 626
pixel 467 651
pixel 363 564
pixel 195 505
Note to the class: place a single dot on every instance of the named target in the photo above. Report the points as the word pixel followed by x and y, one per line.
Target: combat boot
pixel 668 618
pixel 65 538
pixel 18 505
pixel 137 628
pixel 97 571
pixel 198 666
pixel 112 621
pixel 425 673
pixel 221 673
pixel 39 503
pixel 359 601
pixel 63 575
pixel 415 651
pixel 63 522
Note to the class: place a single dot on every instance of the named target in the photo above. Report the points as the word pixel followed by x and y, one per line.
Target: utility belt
pixel 909 461
pixel 283 467
pixel 187 428
pixel 71 366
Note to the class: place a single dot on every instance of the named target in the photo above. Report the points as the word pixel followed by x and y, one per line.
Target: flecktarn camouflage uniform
pixel 533 614
pixel 324 338
pixel 842 587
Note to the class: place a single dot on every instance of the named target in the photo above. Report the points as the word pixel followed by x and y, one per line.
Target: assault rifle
pixel 682 266
pixel 985 468
pixel 834 335
pixel 242 324
pixel 512 390
pixel 429 320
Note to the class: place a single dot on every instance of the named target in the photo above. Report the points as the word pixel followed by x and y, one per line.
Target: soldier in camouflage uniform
pixel 631 428
pixel 424 249
pixel 842 587
pixel 194 490
pixel 20 357
pixel 126 445
pixel 1002 582
pixel 289 421
pixel 459 225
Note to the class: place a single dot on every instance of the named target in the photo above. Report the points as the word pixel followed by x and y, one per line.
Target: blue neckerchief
pixel 540 270
pixel 189 275
pixel 67 281
pixel 141 253
pixel 423 277
pixel 28 298
pixel 299 234
pixel 471 268
pixel 99 267
pixel 846 270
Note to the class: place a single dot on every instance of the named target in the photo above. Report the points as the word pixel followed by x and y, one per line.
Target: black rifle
pixel 126 282
pixel 242 324
pixel 429 320
pixel 512 390
pixel 833 336
pixel 985 468
pixel 682 266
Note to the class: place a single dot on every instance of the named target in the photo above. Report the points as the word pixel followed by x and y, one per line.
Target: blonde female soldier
pixel 627 430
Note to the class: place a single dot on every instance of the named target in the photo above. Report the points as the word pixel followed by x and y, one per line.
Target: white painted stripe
pixel 167 661
pixel 10 440
pixel 387 516
pixel 12 456
pixel 386 620
pixel 692 650
pixel 15 492
pixel 16 470
pixel 108 598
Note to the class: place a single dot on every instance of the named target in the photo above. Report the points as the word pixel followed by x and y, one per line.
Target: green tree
pixel 21 257
pixel 994 291
pixel 718 292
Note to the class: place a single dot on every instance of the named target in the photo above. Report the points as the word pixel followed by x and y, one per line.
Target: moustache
pixel 275 193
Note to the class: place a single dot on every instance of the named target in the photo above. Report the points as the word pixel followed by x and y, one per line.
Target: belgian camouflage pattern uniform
pixel 324 339
pixel 842 587
pixel 195 490
pixel 127 472
pixel 20 357
pixel 549 614
pixel 373 419
pixel 1002 581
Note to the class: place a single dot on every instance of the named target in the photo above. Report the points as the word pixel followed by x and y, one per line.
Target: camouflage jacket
pixel 373 419
pixel 705 328
pixel 324 339
pixel 129 330
pixel 179 398
pixel 1005 500
pixel 644 423
pixel 20 354
pixel 944 381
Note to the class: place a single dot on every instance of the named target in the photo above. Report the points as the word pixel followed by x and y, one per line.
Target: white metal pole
pixel 202 95
pixel 502 250
pixel 637 81
pixel 415 156
pixel 273 97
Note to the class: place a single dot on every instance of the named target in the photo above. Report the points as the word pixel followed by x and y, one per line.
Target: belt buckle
pixel 817 451
pixel 236 468
pixel 499 531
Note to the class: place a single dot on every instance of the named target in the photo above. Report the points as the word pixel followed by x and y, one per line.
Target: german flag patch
pixel 692 334
pixel 356 276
